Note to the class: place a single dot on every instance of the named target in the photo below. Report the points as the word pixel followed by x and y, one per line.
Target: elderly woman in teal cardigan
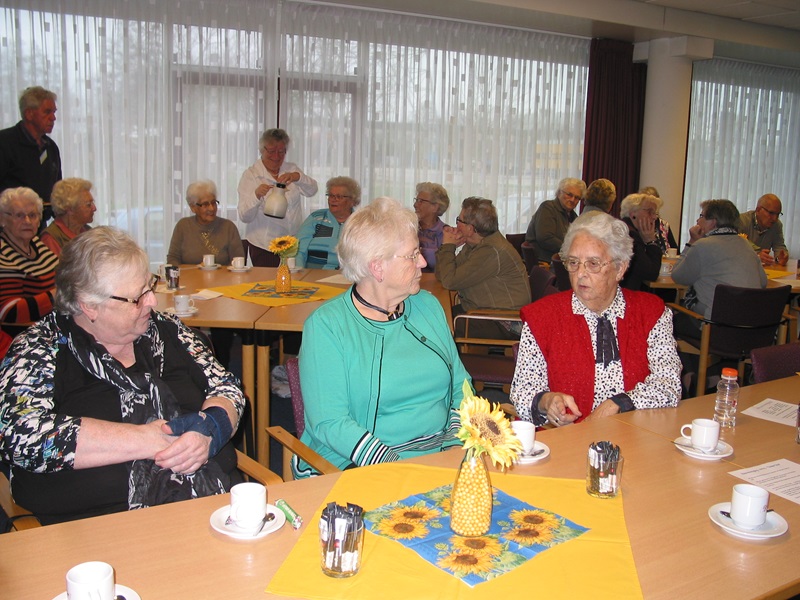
pixel 598 349
pixel 380 373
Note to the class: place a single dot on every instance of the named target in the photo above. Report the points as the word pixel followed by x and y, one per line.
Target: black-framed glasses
pixel 414 256
pixel 462 221
pixel 151 289
pixel 212 203
pixel 592 265
pixel 338 197
pixel 771 212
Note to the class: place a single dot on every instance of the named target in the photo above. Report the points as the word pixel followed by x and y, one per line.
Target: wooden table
pixel 172 552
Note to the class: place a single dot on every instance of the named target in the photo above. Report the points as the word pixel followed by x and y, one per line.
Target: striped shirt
pixel 26 284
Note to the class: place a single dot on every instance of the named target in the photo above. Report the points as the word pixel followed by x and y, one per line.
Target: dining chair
pixel 741 319
pixel 529 254
pixel 516 240
pixel 775 362
pixel 292 445
pixel 543 282
pixel 562 275
pixel 489 360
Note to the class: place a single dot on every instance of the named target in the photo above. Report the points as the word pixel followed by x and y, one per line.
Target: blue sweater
pixel 317 239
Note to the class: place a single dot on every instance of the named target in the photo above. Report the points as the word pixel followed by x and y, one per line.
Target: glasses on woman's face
pixel 414 256
pixel 211 203
pixel 274 151
pixel 31 216
pixel 151 289
pixel 338 197
pixel 418 199
pixel 592 265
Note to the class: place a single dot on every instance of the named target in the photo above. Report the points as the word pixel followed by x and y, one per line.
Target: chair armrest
pixel 682 309
pixel 295 446
pixel 21 518
pixel 255 470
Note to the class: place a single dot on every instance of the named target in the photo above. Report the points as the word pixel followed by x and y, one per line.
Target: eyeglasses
pixel 338 197
pixel 771 212
pixel 592 265
pixel 211 203
pixel 275 151
pixel 151 289
pixel 418 199
pixel 462 221
pixel 571 196
pixel 33 216
pixel 414 256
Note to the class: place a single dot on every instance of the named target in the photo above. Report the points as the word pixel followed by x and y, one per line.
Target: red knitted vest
pixel 564 340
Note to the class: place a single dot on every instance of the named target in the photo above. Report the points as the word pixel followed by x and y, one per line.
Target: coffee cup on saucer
pixel 749 505
pixel 704 434
pixel 238 262
pixel 526 432
pixel 248 504
pixel 183 303
pixel 209 261
pixel 92 580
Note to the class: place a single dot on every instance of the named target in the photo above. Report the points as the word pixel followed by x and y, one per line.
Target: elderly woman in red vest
pixel 596 350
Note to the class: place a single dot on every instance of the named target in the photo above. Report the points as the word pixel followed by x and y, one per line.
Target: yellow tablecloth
pixel 597 564
pixel 263 293
pixel 776 274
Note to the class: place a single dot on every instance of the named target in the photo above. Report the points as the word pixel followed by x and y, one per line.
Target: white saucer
pixel 120 590
pixel 171 311
pixel 208 268
pixel 529 460
pixel 296 270
pixel 242 270
pixel 722 450
pixel 774 526
pixel 219 516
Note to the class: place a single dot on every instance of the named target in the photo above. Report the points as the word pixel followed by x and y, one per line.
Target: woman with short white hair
pixel 598 349
pixel 74 208
pixel 380 373
pixel 640 213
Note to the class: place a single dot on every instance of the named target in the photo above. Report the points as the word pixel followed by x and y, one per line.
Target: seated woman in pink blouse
pixel 74 207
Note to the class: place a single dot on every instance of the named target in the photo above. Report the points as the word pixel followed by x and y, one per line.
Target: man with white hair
pixel 764 230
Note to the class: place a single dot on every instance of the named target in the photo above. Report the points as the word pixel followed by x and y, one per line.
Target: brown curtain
pixel 614 117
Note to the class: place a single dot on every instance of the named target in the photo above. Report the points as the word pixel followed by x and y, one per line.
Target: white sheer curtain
pixel 393 100
pixel 744 140
pixel 155 95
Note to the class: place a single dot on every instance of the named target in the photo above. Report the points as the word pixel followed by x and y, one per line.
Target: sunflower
pixel 477 545
pixel 528 536
pixel 399 529
pixel 466 563
pixel 413 513
pixel 485 429
pixel 536 519
pixel 284 246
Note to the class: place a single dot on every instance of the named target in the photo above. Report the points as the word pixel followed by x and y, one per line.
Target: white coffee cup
pixel 92 580
pixel 705 433
pixel 183 303
pixel 666 267
pixel 749 505
pixel 238 262
pixel 672 252
pixel 291 262
pixel 526 432
pixel 248 504
pixel 209 260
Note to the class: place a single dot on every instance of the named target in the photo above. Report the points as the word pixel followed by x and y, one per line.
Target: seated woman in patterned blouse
pixel 107 405
pixel 596 350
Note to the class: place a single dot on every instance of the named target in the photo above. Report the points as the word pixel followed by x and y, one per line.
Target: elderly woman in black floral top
pixel 106 405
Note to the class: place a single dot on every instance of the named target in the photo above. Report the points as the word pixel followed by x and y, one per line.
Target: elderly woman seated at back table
pixel 74 208
pixel 430 203
pixel 320 232
pixel 640 214
pixel 380 372
pixel 106 405
pixel 27 267
pixel 205 232
pixel 596 350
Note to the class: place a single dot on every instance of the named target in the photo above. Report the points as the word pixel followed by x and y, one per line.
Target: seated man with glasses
pixel 598 349
pixel 107 405
pixel 319 233
pixel 205 232
pixel 549 224
pixel 764 230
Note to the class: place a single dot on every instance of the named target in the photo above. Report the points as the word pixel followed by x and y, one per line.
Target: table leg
pixel 262 397
pixel 249 381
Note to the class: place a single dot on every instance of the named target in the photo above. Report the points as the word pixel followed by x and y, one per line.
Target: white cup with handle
pixel 672 252
pixel 704 434
pixel 248 504
pixel 526 432
pixel 749 505
pixel 238 262
pixel 209 260
pixel 92 580
pixel 183 303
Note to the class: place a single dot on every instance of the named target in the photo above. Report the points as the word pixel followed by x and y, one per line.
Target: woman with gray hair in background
pixel 640 213
pixel 319 233
pixel 107 405
pixel 205 232
pixel 599 196
pixel 430 203
pixel 596 350
pixel 380 372
pixel 74 208
pixel 664 237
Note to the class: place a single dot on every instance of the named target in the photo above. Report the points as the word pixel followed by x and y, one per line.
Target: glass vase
pixel 283 277
pixel 471 499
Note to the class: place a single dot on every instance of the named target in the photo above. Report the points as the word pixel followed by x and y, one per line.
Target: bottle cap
pixel 729 373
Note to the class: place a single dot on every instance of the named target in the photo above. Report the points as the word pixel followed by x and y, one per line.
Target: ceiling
pixel 777 13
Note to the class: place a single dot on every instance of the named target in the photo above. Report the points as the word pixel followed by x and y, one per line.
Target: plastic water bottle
pixel 727 398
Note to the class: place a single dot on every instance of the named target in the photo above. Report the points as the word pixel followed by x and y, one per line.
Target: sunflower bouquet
pixel 285 246
pixel 484 431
